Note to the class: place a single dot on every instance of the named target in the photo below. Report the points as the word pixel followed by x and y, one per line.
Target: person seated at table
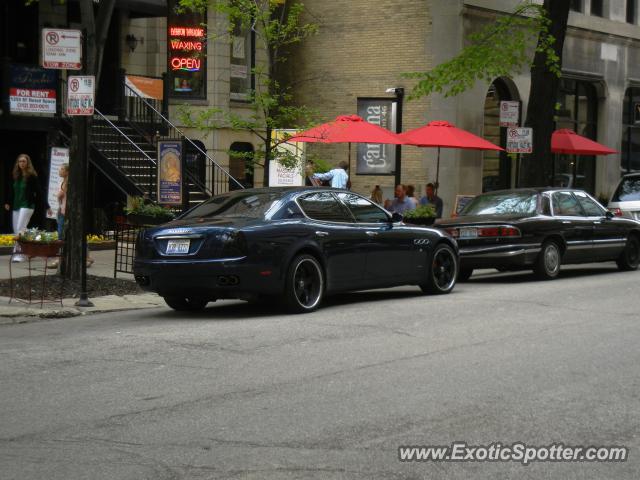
pixel 401 203
pixel 432 199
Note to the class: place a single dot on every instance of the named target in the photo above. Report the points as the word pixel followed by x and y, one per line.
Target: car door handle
pixel 320 233
pixel 371 234
pixel 597 222
pixel 566 222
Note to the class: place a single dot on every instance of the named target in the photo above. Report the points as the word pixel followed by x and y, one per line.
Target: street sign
pixel 519 140
pixel 509 113
pixel 61 49
pixel 80 95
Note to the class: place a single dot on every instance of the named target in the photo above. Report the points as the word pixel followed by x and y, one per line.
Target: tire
pixel 305 284
pixel 629 259
pixel 464 274
pixel 441 276
pixel 547 266
pixel 186 304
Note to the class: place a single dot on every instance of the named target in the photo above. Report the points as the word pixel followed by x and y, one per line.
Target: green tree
pixel 501 49
pixel 277 26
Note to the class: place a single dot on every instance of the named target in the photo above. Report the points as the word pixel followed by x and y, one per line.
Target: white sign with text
pixel 61 49
pixel 80 95
pixel 509 113
pixel 519 140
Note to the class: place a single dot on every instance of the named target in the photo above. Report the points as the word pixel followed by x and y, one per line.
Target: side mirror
pixel 396 217
pixel 609 215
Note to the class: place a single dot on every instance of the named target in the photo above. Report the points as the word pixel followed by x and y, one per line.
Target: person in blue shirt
pixel 401 203
pixel 432 199
pixel 338 176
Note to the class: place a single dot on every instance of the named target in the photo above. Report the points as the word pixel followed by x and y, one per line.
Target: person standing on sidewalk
pixel 62 199
pixel 26 194
pixel 338 177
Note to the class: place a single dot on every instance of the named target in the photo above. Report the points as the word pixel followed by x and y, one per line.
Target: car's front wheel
pixel 630 257
pixel 441 277
pixel 186 304
pixel 547 266
pixel 304 286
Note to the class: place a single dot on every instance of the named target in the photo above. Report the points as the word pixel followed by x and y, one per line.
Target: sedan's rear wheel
pixel 304 286
pixel 630 257
pixel 441 277
pixel 547 266
pixel 186 304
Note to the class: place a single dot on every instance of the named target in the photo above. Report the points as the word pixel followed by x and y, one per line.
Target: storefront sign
pixel 509 114
pixel 59 156
pixel 377 158
pixel 519 140
pixel 80 95
pixel 187 53
pixel 170 172
pixel 145 87
pixel 280 176
pixel 61 49
pixel 32 90
pixel 460 203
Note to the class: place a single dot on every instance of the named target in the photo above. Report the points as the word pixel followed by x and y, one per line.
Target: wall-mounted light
pixel 132 41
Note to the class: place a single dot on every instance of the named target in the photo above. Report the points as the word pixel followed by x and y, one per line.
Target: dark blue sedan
pixel 297 244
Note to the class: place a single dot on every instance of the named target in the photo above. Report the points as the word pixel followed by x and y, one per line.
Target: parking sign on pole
pixel 61 49
pixel 80 95
pixel 519 140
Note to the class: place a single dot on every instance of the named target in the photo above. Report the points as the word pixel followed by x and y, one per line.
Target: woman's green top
pixel 20 195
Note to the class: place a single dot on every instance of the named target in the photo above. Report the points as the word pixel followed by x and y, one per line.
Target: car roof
pixel 287 190
pixel 533 190
pixel 630 175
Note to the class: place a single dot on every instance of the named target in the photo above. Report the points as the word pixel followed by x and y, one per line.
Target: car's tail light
pixel 616 211
pixel 234 244
pixel 498 232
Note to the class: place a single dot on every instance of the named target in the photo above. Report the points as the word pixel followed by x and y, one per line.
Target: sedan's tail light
pixel 498 232
pixel 454 232
pixel 616 211
pixel 234 244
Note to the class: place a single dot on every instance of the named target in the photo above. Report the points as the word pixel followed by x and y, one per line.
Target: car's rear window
pixel 236 205
pixel 628 190
pixel 506 203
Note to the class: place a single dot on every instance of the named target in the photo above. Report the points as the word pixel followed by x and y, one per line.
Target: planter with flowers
pixel 39 243
pixel 143 212
pixel 421 215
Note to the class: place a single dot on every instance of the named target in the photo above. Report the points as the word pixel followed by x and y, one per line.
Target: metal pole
pixel 399 91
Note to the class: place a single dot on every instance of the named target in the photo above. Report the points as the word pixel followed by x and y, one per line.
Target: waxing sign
pixel 61 49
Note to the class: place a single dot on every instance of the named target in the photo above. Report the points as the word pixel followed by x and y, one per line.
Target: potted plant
pixel 421 215
pixel 39 243
pixel 143 212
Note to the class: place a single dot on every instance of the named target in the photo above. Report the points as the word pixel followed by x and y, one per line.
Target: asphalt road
pixel 246 392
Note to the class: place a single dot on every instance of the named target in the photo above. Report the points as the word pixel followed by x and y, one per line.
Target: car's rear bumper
pixel 223 278
pixel 514 255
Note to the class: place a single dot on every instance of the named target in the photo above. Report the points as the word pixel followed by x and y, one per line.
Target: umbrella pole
pixel 575 171
pixel 437 172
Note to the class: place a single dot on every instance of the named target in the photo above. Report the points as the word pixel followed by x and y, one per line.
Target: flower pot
pixel 419 220
pixel 137 219
pixel 40 249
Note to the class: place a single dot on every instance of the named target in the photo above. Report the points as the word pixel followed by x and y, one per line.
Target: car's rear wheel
pixel 547 266
pixel 186 304
pixel 465 274
pixel 441 277
pixel 304 286
pixel 629 259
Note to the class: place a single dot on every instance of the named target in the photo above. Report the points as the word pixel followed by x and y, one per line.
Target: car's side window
pixel 290 210
pixel 363 210
pixel 590 207
pixel 324 206
pixel 545 205
pixel 565 204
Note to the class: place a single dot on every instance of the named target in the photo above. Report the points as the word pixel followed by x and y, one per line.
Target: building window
pixel 630 155
pixel 241 63
pixel 597 8
pixel 241 165
pixel 576 5
pixel 578 111
pixel 631 11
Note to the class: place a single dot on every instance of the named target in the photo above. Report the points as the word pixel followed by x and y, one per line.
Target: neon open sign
pixel 188 64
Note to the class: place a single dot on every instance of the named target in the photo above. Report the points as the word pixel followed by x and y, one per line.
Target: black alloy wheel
pixel 304 286
pixel 547 266
pixel 630 257
pixel 441 277
pixel 186 304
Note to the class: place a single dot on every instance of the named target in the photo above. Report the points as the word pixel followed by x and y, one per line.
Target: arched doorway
pixel 497 169
pixel 241 164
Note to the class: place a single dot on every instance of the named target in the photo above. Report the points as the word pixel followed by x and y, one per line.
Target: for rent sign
pixel 32 90
pixel 519 140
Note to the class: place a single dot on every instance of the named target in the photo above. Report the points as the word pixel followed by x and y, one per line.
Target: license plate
pixel 177 246
pixel 468 233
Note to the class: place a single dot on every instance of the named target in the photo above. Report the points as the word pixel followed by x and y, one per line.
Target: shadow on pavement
pixel 567 272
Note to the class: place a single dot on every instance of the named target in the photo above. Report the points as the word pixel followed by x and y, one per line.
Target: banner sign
pixel 32 90
pixel 80 95
pixel 280 176
pixel 377 158
pixel 509 114
pixel 59 156
pixel 519 140
pixel 170 172
pixel 145 87
pixel 61 49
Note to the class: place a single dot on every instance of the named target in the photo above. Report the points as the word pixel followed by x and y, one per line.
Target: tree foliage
pixel 498 49
pixel 277 25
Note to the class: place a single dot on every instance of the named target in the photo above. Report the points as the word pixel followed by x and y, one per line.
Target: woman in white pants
pixel 26 194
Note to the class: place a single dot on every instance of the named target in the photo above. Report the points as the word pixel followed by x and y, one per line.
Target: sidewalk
pixel 18 312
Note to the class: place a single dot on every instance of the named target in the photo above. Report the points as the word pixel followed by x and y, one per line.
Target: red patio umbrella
pixel 442 134
pixel 569 142
pixel 348 129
